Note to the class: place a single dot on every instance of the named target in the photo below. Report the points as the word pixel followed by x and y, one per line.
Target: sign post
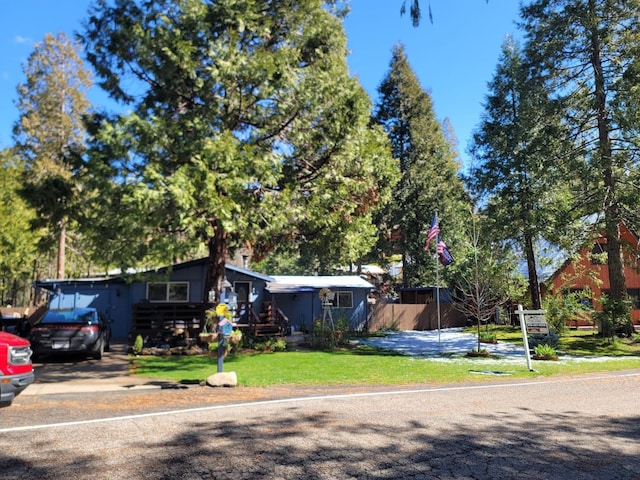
pixel 225 327
pixel 531 321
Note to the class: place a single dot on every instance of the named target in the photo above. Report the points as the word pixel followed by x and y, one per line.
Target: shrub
pixel 544 350
pixel 551 339
pixel 138 345
pixel 565 307
pixel 271 345
pixel 487 337
pixel 614 317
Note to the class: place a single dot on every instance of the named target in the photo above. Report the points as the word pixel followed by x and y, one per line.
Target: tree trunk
pixel 611 211
pixel 215 267
pixel 534 286
pixel 62 246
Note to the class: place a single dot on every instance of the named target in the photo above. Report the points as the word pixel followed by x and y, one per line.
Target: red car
pixel 16 369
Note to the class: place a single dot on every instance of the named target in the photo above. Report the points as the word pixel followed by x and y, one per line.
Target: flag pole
pixel 438 294
pixel 437 282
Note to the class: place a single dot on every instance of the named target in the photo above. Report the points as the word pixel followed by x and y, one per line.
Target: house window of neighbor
pixel 584 300
pixel 597 257
pixel 168 291
pixel 634 296
pixel 343 300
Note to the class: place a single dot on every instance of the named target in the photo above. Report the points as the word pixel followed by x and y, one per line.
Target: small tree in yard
pixel 482 283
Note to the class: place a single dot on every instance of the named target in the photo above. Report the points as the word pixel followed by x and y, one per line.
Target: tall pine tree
pixel 584 50
pixel 429 181
pixel 50 136
pixel 518 175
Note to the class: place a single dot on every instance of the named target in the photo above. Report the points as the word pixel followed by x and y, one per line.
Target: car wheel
pixel 98 354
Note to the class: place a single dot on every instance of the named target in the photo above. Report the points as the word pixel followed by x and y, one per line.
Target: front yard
pixel 365 365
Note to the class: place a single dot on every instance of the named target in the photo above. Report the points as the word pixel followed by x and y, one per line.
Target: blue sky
pixel 454 57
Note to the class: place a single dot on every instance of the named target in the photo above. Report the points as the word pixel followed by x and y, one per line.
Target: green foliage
pixel 614 318
pixel 327 336
pixel 138 345
pixel 236 340
pixel 429 170
pixel 360 367
pixel 484 277
pixel 18 241
pixel 587 57
pixel 544 350
pixel 516 175
pixel 213 347
pixel 487 337
pixel 50 139
pixel 245 126
pixel 564 307
pixel 271 345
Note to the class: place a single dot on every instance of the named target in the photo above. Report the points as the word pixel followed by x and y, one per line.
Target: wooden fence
pixel 414 317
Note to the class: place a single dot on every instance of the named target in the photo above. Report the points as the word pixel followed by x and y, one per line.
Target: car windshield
pixel 69 316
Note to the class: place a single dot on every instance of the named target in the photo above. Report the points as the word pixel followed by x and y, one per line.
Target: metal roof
pixel 301 283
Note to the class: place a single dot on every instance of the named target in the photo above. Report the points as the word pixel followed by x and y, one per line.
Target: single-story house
pixel 299 298
pixel 153 299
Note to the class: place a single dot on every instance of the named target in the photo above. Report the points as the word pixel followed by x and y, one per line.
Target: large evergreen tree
pixel 18 241
pixel 245 127
pixel 50 136
pixel 585 50
pixel 518 174
pixel 429 181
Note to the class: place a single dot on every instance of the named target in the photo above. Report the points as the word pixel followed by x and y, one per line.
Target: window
pixel 168 292
pixel 634 296
pixel 597 254
pixel 343 300
pixel 242 289
pixel 582 295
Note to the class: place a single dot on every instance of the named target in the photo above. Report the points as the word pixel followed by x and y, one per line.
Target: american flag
pixel 434 231
pixel 443 252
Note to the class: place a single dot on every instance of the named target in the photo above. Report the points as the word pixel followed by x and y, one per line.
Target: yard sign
pixel 531 321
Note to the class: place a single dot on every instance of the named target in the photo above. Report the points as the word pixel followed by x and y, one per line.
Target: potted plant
pixel 206 335
pixel 236 337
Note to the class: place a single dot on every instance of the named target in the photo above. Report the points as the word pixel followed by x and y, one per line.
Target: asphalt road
pixel 583 428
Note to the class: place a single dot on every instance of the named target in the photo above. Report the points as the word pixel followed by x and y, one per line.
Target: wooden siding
pixel 579 271
pixel 414 317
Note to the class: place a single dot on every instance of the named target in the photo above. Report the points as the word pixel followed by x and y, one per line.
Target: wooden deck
pixel 159 320
pixel 271 323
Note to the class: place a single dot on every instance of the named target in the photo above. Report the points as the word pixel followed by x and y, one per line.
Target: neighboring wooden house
pixel 576 274
pixel 171 299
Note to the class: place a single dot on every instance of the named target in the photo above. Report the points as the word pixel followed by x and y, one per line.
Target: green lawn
pixel 367 366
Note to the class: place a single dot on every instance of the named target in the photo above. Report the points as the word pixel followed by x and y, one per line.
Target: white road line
pixel 309 399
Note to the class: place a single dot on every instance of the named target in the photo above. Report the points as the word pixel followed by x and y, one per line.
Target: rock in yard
pixel 223 379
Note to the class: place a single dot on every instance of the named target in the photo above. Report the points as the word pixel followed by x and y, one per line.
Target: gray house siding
pixel 115 297
pixel 304 307
pixel 297 297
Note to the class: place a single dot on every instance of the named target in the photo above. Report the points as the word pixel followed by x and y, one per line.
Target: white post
pixel 523 327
